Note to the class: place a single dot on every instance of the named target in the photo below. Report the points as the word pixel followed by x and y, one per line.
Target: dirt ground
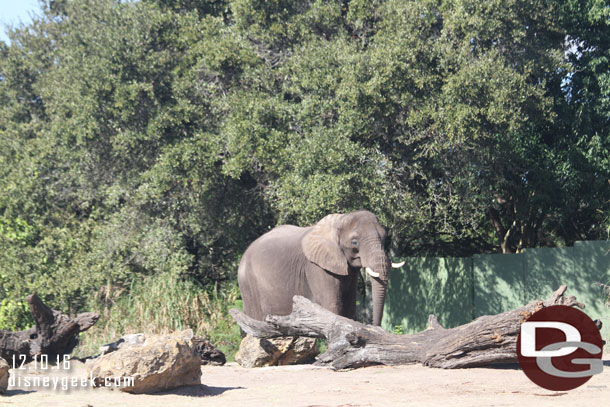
pixel 309 386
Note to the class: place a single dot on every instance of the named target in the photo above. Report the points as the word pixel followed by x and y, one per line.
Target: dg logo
pixel 560 348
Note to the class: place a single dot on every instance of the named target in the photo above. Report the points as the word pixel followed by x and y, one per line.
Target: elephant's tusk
pixel 398 265
pixel 371 272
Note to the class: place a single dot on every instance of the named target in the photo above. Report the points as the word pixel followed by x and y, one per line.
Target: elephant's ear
pixel 321 245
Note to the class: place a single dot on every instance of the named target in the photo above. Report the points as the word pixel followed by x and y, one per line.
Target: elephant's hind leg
pixel 249 293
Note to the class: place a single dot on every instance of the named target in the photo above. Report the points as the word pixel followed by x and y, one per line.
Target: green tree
pixel 160 137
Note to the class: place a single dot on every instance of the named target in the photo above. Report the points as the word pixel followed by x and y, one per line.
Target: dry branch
pixel 55 334
pixel 486 340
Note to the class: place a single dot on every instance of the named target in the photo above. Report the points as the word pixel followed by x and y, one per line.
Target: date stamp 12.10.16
pixel 56 373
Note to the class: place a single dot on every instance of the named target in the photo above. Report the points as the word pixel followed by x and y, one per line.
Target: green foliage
pixel 322 345
pixel 162 304
pixel 15 315
pixel 203 7
pixel 141 139
pixel 278 24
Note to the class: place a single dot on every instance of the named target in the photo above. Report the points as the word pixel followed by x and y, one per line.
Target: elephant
pixel 319 262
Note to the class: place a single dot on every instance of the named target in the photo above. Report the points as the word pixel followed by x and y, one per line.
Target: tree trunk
pixel 484 341
pixel 54 335
pixel 504 235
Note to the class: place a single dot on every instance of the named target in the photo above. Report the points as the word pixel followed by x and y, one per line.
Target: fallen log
pixel 487 340
pixel 54 335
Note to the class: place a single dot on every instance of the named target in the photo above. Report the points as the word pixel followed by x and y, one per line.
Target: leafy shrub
pixel 161 304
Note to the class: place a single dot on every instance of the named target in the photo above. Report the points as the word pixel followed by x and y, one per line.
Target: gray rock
pixel 257 352
pixel 130 339
pixel 162 362
pixel 208 353
pixel 4 373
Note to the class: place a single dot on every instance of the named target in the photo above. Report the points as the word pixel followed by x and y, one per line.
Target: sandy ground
pixel 308 386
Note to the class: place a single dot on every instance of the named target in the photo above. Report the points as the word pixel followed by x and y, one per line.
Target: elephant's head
pixel 354 240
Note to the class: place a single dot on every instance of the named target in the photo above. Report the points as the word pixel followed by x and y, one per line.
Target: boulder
pixel 4 373
pixel 162 362
pixel 291 350
pixel 208 353
pixel 204 348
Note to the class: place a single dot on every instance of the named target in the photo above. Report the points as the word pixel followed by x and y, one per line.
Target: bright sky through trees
pixel 14 12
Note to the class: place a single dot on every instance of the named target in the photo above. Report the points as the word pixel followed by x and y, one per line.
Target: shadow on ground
pixel 504 366
pixel 516 366
pixel 198 391
pixel 16 392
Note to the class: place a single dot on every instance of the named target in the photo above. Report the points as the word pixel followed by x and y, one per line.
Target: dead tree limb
pixel 486 340
pixel 55 334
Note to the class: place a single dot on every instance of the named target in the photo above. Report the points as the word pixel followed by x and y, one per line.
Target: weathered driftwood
pixel 486 340
pixel 54 335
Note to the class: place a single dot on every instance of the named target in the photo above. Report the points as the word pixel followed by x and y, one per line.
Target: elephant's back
pixel 282 232
pixel 280 240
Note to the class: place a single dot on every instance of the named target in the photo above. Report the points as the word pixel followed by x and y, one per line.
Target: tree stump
pixel 54 335
pixel 486 340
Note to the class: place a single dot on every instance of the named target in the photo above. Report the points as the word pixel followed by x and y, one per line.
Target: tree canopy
pixel 140 137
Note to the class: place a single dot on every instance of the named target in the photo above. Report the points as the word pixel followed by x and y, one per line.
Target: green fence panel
pixel 498 283
pixel 592 268
pixel 457 290
pixel 425 286
pixel 546 270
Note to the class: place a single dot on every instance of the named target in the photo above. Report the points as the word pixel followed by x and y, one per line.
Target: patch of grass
pixel 322 345
pixel 162 304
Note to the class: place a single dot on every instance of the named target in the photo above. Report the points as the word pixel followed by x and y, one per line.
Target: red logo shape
pixel 560 348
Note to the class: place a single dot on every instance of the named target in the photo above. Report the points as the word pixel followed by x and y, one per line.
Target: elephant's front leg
pixel 332 292
pixel 349 294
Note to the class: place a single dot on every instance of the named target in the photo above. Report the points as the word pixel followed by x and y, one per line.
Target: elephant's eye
pixel 354 243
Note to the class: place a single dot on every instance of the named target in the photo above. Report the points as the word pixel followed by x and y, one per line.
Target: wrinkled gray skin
pixel 319 262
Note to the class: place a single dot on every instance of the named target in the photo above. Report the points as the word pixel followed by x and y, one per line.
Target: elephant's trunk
pixel 379 289
pixel 377 265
